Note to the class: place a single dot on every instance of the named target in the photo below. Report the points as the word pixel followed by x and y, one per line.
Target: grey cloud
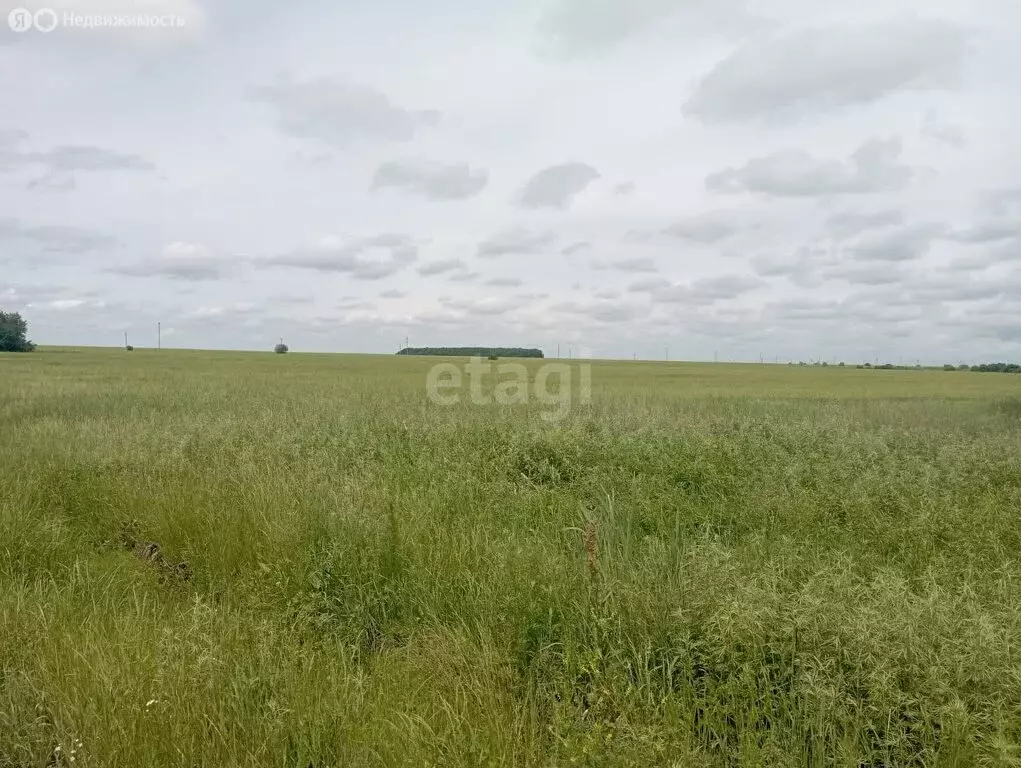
pixel 393 293
pixel 643 264
pixel 432 180
pixel 951 288
pixel 989 232
pixel 464 277
pixel 700 292
pixel 338 111
pixel 85 158
pixel 649 285
pixel 871 309
pixel 557 186
pixel 603 311
pixel 515 241
pixel 440 267
pixel 724 287
pixel 801 268
pixel 53 182
pixel 853 223
pixel 1007 253
pixel 582 27
pixel 873 167
pixel 708 228
pixel 182 261
pixel 350 258
pixel 11 156
pixel 60 163
pixel 23 295
pixel 577 247
pixel 950 135
pixel 624 189
pixel 866 274
pixel 481 306
pixel 57 238
pixel 509 282
pixel 183 269
pixel 902 244
pixel 1001 201
pixel 607 294
pixel 814 70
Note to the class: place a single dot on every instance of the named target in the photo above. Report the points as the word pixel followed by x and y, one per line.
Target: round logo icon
pixel 20 20
pixel 45 20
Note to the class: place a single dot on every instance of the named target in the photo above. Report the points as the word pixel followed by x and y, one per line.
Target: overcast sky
pixel 795 179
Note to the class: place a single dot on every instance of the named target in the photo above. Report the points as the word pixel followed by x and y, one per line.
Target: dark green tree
pixel 13 330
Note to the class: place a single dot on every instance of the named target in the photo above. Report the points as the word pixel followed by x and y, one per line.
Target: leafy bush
pixel 13 330
pixel 281 349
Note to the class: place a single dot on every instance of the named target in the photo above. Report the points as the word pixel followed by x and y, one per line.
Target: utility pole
pixel 159 336
pixel 125 339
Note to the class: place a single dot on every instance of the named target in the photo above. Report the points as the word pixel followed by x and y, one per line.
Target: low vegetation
pixel 226 559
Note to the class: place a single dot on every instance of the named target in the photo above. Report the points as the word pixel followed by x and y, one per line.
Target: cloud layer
pixel 781 178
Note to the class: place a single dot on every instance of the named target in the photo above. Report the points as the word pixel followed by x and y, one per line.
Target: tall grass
pixel 707 566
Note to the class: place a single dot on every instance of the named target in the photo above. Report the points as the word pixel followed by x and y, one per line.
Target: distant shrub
pixel 840 365
pixel 493 357
pixel 825 365
pixel 868 365
pixel 949 367
pixel 860 367
pixel 129 348
pixel 281 348
pixel 964 367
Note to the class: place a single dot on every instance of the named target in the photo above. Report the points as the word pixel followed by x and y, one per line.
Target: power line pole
pixel 159 335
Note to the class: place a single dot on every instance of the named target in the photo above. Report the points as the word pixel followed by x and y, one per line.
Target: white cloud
pixel 873 167
pixel 801 71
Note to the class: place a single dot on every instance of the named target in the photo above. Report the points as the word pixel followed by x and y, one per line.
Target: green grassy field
pixel 708 565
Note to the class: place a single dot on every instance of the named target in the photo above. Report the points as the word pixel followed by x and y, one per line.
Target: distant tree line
pixel 490 352
pixel 986 368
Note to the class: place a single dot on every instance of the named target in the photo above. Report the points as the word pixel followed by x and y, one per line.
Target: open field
pixel 709 565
